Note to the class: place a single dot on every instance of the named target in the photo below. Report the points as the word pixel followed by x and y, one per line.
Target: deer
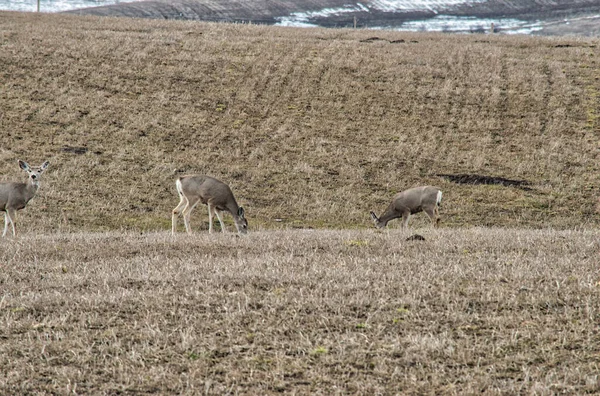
pixel 414 200
pixel 15 196
pixel 193 189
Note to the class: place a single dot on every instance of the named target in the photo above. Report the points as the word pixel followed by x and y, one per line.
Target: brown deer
pixel 193 189
pixel 414 200
pixel 15 196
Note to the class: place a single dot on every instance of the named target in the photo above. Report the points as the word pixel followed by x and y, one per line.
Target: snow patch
pixel 435 6
pixel 447 23
pixel 54 5
pixel 301 19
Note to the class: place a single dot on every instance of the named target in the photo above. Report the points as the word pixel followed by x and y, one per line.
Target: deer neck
pixel 232 207
pixel 388 215
pixel 31 188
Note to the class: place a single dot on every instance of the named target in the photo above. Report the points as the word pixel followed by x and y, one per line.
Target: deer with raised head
pixel 193 189
pixel 414 200
pixel 15 196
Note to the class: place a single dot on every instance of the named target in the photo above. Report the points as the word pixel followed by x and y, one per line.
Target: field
pixel 311 129
pixel 478 310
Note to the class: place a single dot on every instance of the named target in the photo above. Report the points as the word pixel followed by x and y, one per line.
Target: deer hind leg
pixel 176 212
pixel 187 213
pixel 437 215
pixel 210 217
pixel 220 217
pixel 433 214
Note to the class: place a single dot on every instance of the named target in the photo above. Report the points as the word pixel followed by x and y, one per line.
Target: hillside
pixel 311 127
pixel 580 17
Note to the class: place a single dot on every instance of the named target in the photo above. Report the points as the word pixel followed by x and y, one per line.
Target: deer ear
pixel 45 165
pixel 23 165
pixel 241 212
pixel 374 217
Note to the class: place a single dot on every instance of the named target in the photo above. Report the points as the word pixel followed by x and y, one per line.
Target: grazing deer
pixel 414 200
pixel 15 196
pixel 193 189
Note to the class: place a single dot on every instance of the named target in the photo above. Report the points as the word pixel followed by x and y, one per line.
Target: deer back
pixel 416 198
pixel 210 190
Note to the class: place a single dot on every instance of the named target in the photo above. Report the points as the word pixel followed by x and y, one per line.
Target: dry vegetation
pixel 311 128
pixel 558 17
pixel 491 311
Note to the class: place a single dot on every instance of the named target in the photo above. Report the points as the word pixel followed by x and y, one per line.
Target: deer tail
pixel 438 200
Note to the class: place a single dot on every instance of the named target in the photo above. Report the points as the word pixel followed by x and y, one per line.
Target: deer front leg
pixel 405 218
pixel 5 224
pixel 210 219
pixel 220 217
pixel 9 217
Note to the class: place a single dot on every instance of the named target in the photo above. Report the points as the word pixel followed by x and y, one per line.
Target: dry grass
pixel 557 18
pixel 491 311
pixel 312 126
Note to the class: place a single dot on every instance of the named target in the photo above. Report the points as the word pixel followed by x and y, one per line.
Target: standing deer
pixel 15 196
pixel 193 189
pixel 414 200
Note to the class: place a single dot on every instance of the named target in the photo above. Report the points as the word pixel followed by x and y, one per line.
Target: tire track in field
pixel 276 79
pixel 503 94
pixel 546 96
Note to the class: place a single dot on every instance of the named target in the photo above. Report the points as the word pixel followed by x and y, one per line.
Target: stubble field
pixel 467 311
pixel 312 129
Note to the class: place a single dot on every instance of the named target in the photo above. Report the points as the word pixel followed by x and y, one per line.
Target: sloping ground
pixel 339 13
pixel 311 127
pixel 261 11
pixel 588 26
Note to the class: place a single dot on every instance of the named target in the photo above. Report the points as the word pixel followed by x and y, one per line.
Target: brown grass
pixel 467 311
pixel 312 126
